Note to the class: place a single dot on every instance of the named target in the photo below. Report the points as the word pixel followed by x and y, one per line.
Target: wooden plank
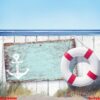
pixel 20 39
pixel 88 41
pixel 31 39
pixel 1 59
pixel 8 39
pixel 31 86
pixel 52 38
pixel 42 88
pixel 42 38
pixel 97 46
pixel 65 37
pixel 62 37
pixel 63 84
pixel 53 87
pixel 1 37
pixel 78 40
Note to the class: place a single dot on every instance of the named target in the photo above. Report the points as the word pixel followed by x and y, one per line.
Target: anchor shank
pixel 17 68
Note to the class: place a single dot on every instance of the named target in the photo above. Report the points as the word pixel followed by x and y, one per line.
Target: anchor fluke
pixel 17 74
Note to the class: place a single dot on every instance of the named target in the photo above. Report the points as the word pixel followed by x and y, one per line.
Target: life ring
pixel 91 75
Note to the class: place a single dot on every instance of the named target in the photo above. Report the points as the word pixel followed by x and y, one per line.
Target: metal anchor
pixel 17 74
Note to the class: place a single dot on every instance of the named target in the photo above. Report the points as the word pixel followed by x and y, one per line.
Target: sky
pixel 49 14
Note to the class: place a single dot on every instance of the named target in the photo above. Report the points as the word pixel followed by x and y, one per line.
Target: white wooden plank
pixel 3 70
pixel 1 38
pixel 2 63
pixel 1 59
pixel 97 46
pixel 42 88
pixel 53 87
pixel 78 40
pixel 31 86
pixel 68 37
pixel 42 38
pixel 19 39
pixel 65 37
pixel 88 41
pixel 62 37
pixel 8 39
pixel 31 39
pixel 63 84
pixel 52 38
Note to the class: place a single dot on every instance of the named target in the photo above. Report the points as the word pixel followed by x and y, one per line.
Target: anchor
pixel 17 74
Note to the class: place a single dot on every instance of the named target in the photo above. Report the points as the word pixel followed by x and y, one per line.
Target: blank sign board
pixel 42 59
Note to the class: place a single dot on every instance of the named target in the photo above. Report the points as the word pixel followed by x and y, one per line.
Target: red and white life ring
pixel 80 80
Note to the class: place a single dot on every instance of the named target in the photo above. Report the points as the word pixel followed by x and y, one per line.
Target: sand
pixel 38 97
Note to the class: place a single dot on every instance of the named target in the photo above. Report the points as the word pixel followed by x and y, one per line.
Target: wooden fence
pixel 50 87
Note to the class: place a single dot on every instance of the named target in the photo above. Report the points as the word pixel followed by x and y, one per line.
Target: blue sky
pixel 49 14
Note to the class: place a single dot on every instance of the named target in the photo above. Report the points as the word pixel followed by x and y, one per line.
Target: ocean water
pixel 48 32
pixel 43 59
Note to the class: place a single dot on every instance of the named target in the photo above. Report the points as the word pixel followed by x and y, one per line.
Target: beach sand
pixel 39 97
